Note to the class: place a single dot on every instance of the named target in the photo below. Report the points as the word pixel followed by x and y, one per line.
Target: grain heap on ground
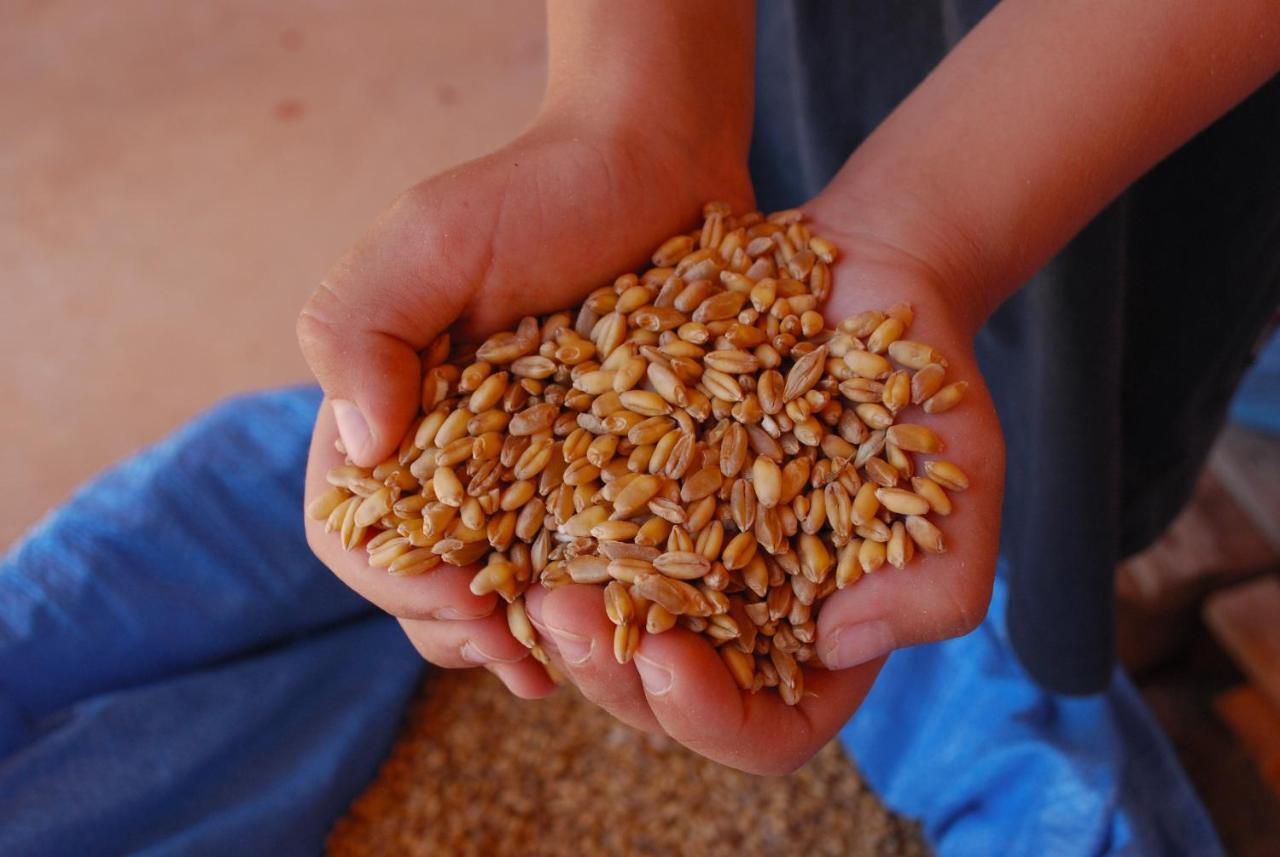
pixel 478 772
pixel 693 437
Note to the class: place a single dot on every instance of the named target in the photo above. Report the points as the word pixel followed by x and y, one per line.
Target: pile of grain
pixel 479 772
pixel 694 436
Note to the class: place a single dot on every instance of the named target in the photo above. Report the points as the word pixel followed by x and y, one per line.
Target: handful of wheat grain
pixel 693 437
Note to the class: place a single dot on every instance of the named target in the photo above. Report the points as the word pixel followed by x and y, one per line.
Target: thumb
pixel 896 608
pixel 362 329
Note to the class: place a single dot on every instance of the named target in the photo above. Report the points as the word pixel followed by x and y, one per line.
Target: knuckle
pixel 418 202
pixel 417 642
pixel 419 216
pixel 607 693
pixel 493 637
pixel 969 607
pixel 318 322
pixel 427 643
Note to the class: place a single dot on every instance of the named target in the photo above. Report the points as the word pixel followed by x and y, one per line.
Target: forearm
pixel 676 67
pixel 1039 117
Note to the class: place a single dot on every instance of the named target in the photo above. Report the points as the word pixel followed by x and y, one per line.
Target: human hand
pixel 680 687
pixel 944 595
pixel 527 230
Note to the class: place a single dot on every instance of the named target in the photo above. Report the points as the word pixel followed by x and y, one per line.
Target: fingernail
pixel 574 648
pixel 473 654
pixel 856 644
pixel 544 633
pixel 351 427
pixel 654 676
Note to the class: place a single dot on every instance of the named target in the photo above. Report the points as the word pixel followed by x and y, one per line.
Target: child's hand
pixel 679 686
pixel 527 230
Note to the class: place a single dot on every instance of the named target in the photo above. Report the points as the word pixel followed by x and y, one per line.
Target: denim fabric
pixel 178 675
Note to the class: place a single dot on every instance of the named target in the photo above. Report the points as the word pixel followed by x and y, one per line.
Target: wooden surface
pixel 1222 536
pixel 1246 620
pixel 1212 542
pixel 1248 463
pixel 1181 694
pixel 1256 723
pixel 1194 620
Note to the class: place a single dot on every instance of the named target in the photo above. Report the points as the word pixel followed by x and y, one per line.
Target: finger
pixel 891 609
pixel 698 703
pixel 484 642
pixel 580 633
pixel 442 593
pixel 362 328
pixel 457 645
pixel 526 679
pixel 934 596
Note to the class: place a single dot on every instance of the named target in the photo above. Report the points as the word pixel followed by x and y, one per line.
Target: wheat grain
pixel 946 398
pixel 946 474
pixel 690 437
pixel 926 382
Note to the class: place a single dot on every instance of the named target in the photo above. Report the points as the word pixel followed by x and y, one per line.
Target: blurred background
pixel 175 178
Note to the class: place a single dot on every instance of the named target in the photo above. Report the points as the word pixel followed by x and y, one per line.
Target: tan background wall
pixel 174 178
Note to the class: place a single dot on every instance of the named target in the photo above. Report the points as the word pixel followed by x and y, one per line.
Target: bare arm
pixel 1038 118
pixel 681 69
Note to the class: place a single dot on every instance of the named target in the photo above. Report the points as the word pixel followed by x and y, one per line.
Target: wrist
pixel 689 164
pixel 892 231
pixel 665 74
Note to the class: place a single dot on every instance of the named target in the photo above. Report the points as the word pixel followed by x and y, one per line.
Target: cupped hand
pixel 423 269
pixel 937 596
pixel 526 230
pixel 680 687
pixel 529 229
